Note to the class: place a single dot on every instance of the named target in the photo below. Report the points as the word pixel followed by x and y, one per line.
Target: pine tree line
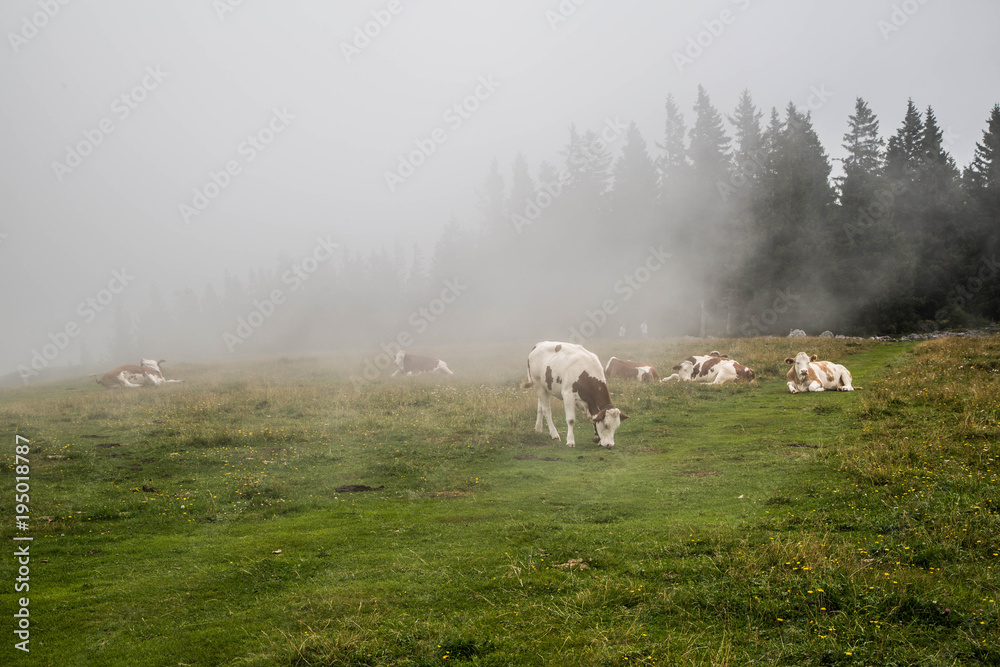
pixel 729 226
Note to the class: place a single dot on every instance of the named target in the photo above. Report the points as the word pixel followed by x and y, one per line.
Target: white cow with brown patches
pixel 807 374
pixel 630 370
pixel 413 364
pixel 713 368
pixel 574 374
pixel 148 372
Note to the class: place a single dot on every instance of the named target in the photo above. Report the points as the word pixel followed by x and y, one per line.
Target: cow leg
pixel 846 381
pixel 123 379
pixel 569 401
pixel 545 408
pixel 539 417
pixel 792 388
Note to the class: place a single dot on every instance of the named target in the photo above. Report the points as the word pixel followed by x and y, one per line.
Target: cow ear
pixel 789 360
pixel 677 368
pixel 624 416
pixel 813 358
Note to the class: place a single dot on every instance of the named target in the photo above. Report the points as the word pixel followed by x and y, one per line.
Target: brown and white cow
pixel 630 370
pixel 807 374
pixel 148 372
pixel 574 374
pixel 713 368
pixel 412 364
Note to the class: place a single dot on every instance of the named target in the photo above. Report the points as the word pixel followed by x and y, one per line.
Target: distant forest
pixel 725 225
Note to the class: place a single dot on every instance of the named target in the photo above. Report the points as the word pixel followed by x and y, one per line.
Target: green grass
pixel 200 524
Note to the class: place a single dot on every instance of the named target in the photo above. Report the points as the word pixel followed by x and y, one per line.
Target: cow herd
pixel 574 374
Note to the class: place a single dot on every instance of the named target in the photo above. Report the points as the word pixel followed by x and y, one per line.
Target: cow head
pixel 606 423
pixel 801 364
pixel 685 369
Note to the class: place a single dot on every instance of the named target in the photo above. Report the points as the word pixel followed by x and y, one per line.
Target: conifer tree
pixel 492 202
pixel 709 147
pixel 633 193
pixel 903 153
pixel 672 165
pixel 873 278
pixel 748 155
pixel 981 183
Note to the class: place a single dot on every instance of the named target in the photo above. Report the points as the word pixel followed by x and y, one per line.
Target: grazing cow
pixel 630 370
pixel 574 374
pixel 412 364
pixel 713 368
pixel 148 372
pixel 807 374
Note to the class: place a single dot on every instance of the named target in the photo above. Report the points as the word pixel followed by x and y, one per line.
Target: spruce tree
pixel 903 154
pixel 492 202
pixel 983 173
pixel 870 252
pixel 633 193
pixel 672 166
pixel 981 183
pixel 709 147
pixel 748 155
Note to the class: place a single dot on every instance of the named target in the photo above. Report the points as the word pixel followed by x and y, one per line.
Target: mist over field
pixel 229 179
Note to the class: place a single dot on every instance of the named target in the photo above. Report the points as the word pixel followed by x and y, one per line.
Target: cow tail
pixel 527 384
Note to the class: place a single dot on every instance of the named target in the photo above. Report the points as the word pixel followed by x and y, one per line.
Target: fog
pixel 169 167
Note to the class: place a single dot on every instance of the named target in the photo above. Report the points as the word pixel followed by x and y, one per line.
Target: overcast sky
pixel 174 140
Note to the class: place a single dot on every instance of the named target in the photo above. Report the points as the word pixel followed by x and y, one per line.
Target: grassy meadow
pixel 201 523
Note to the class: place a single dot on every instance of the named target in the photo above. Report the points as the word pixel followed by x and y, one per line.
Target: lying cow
pixel 148 372
pixel 574 374
pixel 713 368
pixel 807 374
pixel 412 364
pixel 630 370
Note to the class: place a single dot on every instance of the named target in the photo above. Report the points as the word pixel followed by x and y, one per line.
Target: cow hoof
pixel 571 444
